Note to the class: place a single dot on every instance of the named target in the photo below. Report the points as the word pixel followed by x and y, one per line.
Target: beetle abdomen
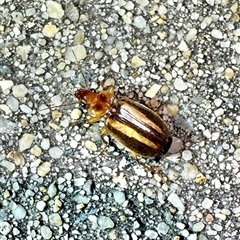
pixel 138 128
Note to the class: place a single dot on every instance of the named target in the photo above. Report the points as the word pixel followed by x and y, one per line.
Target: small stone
pixel 19 212
pixel 210 2
pixel 219 112
pixel 176 202
pixel 139 22
pixel 180 85
pixel 55 152
pixel 44 169
pixel 37 151
pixel 13 103
pixel 40 205
pixel 55 219
pixel 215 136
pixel 50 30
pixel 5 85
pixel 76 113
pixel 229 73
pixel 76 53
pixel 142 3
pixel 54 9
pixel 207 203
pixel 190 171
pixel 19 91
pixel 105 222
pixel 183 46
pixel 115 67
pixel 5 228
pixel 172 109
pixel 119 197
pixel 91 145
pixel 163 228
pixel 52 190
pixel 216 34
pixel 152 92
pixel 79 37
pixel 17 157
pixel 45 144
pixel 198 227
pixel 236 154
pixel 191 34
pixel 8 165
pixel 187 155
pixel 207 133
pixel 46 232
pixel 26 141
pixel 72 12
pixel 151 234
pixel 200 179
pixel 137 62
pixel 24 51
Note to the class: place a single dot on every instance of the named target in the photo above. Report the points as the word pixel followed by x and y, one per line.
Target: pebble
pixel 219 112
pixel 207 203
pixel 55 152
pixel 19 212
pixel 176 202
pixel 119 197
pixel 229 73
pixel 46 232
pixel 5 228
pixel 115 67
pixel 183 46
pixel 13 103
pixel 17 157
pixel 216 34
pixel 105 222
pixel 37 151
pixel 6 85
pixel 24 51
pixel 236 154
pixel 26 141
pixel 54 9
pixel 198 227
pixel 139 22
pixel 76 53
pixel 152 92
pixel 137 62
pixel 91 145
pixel 52 190
pixel 44 169
pixel 72 12
pixel 172 109
pixel 142 3
pixel 163 228
pixel 191 34
pixel 76 113
pixel 210 2
pixel 151 234
pixel 45 144
pixel 19 91
pixel 50 30
pixel 180 85
pixel 40 205
pixel 190 171
pixel 55 219
pixel 187 155
pixel 8 165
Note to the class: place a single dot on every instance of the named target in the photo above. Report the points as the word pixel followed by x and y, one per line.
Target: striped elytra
pixel 134 125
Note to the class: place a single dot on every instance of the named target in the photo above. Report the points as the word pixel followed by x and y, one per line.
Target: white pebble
pixel 44 169
pixel 26 141
pixel 198 227
pixel 216 34
pixel 19 212
pixel 45 144
pixel 207 203
pixel 55 152
pixel 151 234
pixel 40 205
pixel 46 232
pixel 236 154
pixel 55 219
pixel 76 113
pixel 115 67
pixel 50 30
pixel 119 197
pixel 5 85
pixel 190 171
pixel 176 202
pixel 105 222
pixel 5 228
pixel 10 166
pixel 52 190
pixel 180 85
pixel 19 91
pixel 153 90
pixel 183 46
pixel 137 62
pixel 210 2
pixel 191 34
pixel 76 53
pixel 187 155
pixel 139 22
pixel 219 112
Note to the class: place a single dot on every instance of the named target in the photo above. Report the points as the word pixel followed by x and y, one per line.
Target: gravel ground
pixel 54 182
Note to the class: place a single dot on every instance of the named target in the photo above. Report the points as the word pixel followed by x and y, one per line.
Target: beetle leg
pixel 93 120
pixel 103 133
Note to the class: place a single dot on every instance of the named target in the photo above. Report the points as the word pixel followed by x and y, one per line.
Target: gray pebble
pixel 19 212
pixel 176 202
pixel 105 222
pixel 151 234
pixel 55 152
pixel 46 232
pixel 140 22
pixel 79 198
pixel 13 103
pixel 8 165
pixel 52 190
pixel 119 197
pixel 162 228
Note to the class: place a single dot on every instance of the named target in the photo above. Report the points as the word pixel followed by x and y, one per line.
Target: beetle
pixel 135 126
